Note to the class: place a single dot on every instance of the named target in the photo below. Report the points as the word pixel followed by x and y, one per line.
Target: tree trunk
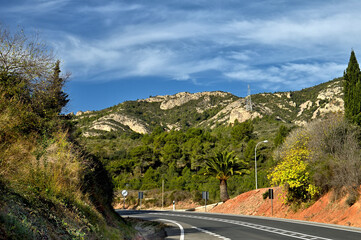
pixel 223 190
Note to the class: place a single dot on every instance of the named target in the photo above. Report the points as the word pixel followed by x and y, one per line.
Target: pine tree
pixel 59 97
pixel 352 90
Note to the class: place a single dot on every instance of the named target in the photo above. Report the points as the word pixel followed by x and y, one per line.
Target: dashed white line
pixel 212 234
pixel 254 226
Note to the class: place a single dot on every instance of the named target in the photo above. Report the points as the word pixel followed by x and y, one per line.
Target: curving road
pixel 193 225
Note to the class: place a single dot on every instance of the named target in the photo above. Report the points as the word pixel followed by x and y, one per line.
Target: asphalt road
pixel 220 226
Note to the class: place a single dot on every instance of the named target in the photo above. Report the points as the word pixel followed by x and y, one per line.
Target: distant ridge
pixel 211 109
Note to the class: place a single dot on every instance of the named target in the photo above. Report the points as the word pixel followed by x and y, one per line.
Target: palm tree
pixel 223 166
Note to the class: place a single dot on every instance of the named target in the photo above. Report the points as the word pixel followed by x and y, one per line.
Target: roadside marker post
pixel 205 196
pixel 173 205
pixel 162 193
pixel 270 195
pixel 140 196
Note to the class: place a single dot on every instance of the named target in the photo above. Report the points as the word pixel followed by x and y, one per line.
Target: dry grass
pixel 50 168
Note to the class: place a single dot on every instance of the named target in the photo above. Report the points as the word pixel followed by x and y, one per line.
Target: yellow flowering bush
pixel 291 172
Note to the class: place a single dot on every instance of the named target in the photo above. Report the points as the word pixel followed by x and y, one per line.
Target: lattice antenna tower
pixel 249 100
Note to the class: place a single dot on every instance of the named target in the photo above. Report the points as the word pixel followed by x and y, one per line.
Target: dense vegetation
pixel 321 156
pixel 325 154
pixel 290 159
pixel 179 158
pixel 49 187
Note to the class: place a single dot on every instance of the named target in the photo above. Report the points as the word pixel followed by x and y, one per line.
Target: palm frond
pixel 224 165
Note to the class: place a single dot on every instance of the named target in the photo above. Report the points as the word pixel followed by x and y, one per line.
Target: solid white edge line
pixel 180 227
pixel 255 226
pixel 302 222
pixel 310 223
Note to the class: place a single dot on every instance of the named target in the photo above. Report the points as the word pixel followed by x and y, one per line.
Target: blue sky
pixel 128 50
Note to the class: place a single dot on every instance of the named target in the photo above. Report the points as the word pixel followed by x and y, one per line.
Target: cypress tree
pixel 59 97
pixel 352 90
pixel 49 98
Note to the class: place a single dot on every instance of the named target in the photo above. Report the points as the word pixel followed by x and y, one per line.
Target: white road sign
pixel 124 193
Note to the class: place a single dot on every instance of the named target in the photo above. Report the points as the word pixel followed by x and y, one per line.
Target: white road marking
pixel 180 227
pixel 212 234
pixel 254 226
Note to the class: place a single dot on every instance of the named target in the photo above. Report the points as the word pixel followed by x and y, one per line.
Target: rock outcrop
pixel 171 101
pixel 109 123
pixel 234 111
pixel 242 115
pixel 333 96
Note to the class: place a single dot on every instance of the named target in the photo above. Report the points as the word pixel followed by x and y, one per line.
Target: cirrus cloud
pixel 280 44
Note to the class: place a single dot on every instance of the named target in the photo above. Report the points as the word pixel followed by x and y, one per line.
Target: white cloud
pixel 293 48
pixel 112 7
pixel 240 56
pixel 141 34
pixel 31 7
pixel 303 28
pixel 289 76
pixel 88 58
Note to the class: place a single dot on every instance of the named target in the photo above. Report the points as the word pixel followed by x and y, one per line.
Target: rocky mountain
pixel 211 109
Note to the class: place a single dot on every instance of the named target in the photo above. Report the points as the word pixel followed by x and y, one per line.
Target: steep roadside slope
pixel 325 210
pixel 49 189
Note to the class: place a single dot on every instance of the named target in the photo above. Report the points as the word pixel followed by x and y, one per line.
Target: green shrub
pixel 351 199
pixel 265 195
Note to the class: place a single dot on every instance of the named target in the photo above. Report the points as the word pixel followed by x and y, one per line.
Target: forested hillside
pixel 182 132
pixel 209 110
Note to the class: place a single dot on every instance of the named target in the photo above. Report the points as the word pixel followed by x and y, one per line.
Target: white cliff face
pixel 329 100
pixel 104 127
pixel 104 124
pixel 337 105
pixel 333 94
pixel 81 114
pixel 304 106
pixel 175 127
pixel 232 112
pixel 242 115
pixel 330 92
pixel 223 115
pixel 171 101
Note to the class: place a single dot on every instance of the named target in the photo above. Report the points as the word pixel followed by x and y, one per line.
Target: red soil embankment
pixel 325 210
